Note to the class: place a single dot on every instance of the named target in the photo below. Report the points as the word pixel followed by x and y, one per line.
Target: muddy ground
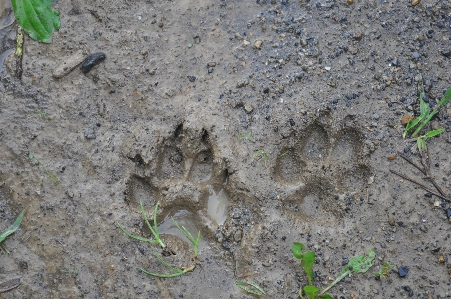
pixel 259 123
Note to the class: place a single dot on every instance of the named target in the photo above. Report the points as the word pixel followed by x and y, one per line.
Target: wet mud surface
pixel 257 123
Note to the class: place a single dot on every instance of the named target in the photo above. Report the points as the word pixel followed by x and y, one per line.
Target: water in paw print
pixel 217 205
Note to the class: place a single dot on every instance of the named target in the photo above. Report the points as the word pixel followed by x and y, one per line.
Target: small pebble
pixel 402 271
pixel 90 134
pixel 446 53
pixel 415 2
pixel 258 44
pixel 191 78
pixel 415 55
pixel 408 290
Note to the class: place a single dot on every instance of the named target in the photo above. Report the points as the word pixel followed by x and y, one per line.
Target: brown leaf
pixel 9 285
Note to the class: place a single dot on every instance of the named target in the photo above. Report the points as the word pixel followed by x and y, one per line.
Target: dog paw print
pixel 188 182
pixel 320 164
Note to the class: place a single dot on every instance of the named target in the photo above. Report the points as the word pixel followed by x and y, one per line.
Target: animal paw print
pixel 320 164
pixel 188 182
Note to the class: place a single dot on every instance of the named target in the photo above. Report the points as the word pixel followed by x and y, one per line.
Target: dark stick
pixel 412 163
pixel 420 185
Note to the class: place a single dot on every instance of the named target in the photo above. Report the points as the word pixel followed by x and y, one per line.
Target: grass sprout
pixel 418 123
pixel 177 272
pixel 263 155
pixel 189 237
pixel 11 229
pixel 383 274
pixel 256 290
pixel 249 137
pixel 43 114
pixel 153 229
pixel 51 175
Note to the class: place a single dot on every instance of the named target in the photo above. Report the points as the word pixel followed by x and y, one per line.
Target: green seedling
pixel 189 237
pixel 425 116
pixel 51 175
pixel 153 229
pixel 383 274
pixel 247 136
pixel 43 114
pixel 307 260
pixel 283 154
pixel 358 264
pixel 11 229
pixel 177 272
pixel 263 155
pixel 254 289
pixel 36 18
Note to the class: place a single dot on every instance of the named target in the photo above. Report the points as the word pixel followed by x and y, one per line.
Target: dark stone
pixel 191 78
pixel 395 62
pixel 402 271
pixel 446 53
pixel 91 61
pixel 344 262
pixel 448 213
pixel 292 123
pixel 408 290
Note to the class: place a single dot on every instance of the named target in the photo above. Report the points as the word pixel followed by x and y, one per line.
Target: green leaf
pixel 445 99
pixel 307 263
pixel 258 290
pixel 424 108
pixel 311 291
pixel 325 296
pixel 433 133
pixel 297 249
pixel 36 18
pixel 421 144
pixel 361 263
pixel 10 230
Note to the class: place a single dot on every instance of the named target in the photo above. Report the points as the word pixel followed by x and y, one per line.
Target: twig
pixel 419 184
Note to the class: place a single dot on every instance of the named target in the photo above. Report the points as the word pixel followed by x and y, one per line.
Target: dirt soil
pixel 258 123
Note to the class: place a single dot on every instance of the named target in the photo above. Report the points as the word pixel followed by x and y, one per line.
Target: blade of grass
pixel 155 229
pixel 135 237
pixel 178 272
pixel 53 177
pixel 258 290
pixel 433 133
pixel 189 237
pixel 10 230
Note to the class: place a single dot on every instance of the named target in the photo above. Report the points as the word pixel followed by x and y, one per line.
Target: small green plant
pixel 190 237
pixel 177 272
pixel 36 18
pixel 43 114
pixel 263 155
pixel 256 290
pixel 383 274
pixel 51 175
pixel 11 229
pixel 247 136
pixel 358 264
pixel 425 116
pixel 153 229
pixel 307 260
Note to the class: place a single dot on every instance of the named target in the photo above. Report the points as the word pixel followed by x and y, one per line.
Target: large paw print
pixel 320 164
pixel 188 182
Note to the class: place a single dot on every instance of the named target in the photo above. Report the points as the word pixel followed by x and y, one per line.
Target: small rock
pixel 448 213
pixel 91 61
pixel 395 62
pixel 391 157
pixel 423 228
pixel 238 235
pixel 408 290
pixel 258 44
pixel 245 42
pixel 191 78
pixel 376 116
pixel 249 109
pixel 238 36
pixel 327 68
pixel 350 2
pixel 415 55
pixel 391 221
pixel 90 134
pixel 266 264
pixel 446 53
pixel 211 64
pixel 242 84
pixel 344 262
pixel 303 42
pixel 405 119
pixel 402 271
pixel 68 64
pixel 152 72
pixel 415 2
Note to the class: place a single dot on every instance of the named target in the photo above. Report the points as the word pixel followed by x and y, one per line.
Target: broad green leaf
pixel 36 18
pixel 297 249
pixel 424 108
pixel 10 230
pixel 307 263
pixel 421 144
pixel 311 291
pixel 433 133
pixel 361 263
pixel 325 296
